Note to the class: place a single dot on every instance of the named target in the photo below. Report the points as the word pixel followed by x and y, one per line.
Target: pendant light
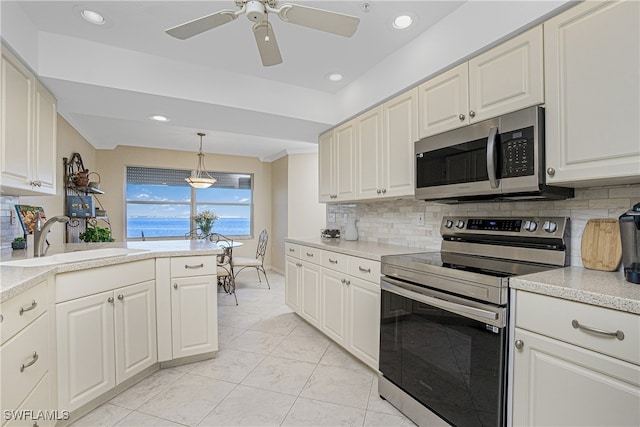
pixel 200 178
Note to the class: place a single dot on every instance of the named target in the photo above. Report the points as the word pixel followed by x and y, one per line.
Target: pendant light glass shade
pixel 200 178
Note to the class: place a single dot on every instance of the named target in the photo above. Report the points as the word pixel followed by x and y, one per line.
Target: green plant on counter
pixel 19 243
pixel 19 239
pixel 96 234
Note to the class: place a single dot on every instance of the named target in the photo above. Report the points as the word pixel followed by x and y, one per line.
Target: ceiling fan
pixel 258 12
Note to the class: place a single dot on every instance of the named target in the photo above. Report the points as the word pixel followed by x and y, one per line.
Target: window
pixel 160 204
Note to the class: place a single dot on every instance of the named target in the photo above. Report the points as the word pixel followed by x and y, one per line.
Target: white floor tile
pixel 306 349
pixel 138 419
pixel 105 415
pixel 339 385
pixel 228 365
pixel 337 356
pixel 306 412
pixel 282 324
pixel 378 419
pixel 281 375
pixel 135 396
pixel 378 404
pixel 256 342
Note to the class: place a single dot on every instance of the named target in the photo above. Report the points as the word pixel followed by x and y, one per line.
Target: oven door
pixel 448 353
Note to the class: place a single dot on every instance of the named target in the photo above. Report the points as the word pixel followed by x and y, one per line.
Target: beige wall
pixel 280 206
pixel 306 215
pixel 69 141
pixel 111 166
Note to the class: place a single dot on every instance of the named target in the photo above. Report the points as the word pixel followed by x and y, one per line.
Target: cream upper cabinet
pixel 506 78
pixel 570 359
pixel 326 166
pixel 368 155
pixel 28 133
pixel 592 86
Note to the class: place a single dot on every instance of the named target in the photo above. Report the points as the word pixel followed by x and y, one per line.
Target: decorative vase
pixel 351 231
pixel 205 230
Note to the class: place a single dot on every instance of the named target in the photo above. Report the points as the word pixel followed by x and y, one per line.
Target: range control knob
pixel 550 226
pixel 460 224
pixel 448 223
pixel 530 226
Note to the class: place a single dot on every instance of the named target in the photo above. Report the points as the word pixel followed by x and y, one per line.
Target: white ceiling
pixel 108 79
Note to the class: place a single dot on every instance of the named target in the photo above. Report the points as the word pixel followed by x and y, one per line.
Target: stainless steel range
pixel 444 316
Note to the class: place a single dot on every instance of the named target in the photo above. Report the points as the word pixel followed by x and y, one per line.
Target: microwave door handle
pixel 492 157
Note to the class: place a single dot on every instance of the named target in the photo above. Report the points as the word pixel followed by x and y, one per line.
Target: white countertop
pixel 601 288
pixel 15 280
pixel 359 248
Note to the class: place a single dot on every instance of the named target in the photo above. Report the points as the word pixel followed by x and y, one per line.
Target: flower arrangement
pixel 204 221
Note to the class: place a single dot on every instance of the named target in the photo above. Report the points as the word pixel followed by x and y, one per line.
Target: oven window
pixel 452 364
pixel 458 164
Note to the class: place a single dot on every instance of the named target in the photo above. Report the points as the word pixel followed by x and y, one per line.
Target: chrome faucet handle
pixel 38 225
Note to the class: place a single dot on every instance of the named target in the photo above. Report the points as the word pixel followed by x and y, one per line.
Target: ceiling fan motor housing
pixel 255 10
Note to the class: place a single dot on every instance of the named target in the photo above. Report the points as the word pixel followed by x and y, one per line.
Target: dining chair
pixel 225 264
pixel 241 263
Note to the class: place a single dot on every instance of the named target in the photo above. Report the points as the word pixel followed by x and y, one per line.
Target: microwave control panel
pixel 518 153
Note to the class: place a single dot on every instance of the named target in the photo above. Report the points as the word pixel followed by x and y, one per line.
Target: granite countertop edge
pixel 16 280
pixel 599 288
pixel 359 248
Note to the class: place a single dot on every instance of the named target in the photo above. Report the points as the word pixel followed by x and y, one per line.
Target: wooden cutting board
pixel 601 247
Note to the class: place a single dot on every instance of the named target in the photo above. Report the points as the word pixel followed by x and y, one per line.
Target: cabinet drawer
pixel 335 261
pixel 19 351
pixel 21 310
pixel 554 317
pixel 313 255
pixel 291 249
pixel 190 266
pixel 365 269
pixel 38 400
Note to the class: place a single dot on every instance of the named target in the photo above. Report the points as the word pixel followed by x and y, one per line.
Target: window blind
pixel 176 177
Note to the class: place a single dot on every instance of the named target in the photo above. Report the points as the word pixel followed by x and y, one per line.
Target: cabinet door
pixel 400 133
pixel 363 320
pixel 369 154
pixel 17 122
pixel 345 138
pixel 334 305
pixel 507 78
pixel 592 85
pixel 86 353
pixel 310 293
pixel 194 315
pixel 326 167
pixel 292 269
pixel 444 101
pixel 44 147
pixel 560 384
pixel 135 329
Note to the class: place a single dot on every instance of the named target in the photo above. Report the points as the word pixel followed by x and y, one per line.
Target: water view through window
pixel 164 210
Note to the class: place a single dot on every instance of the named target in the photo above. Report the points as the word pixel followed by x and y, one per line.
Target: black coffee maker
pixel 630 234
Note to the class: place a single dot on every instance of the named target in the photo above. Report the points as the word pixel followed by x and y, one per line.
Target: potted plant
pixel 96 234
pixel 204 221
pixel 19 243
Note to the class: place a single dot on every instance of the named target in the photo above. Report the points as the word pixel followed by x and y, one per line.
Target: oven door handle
pixel 439 303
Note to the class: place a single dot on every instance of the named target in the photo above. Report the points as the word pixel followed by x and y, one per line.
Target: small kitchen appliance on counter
pixel 330 233
pixel 630 236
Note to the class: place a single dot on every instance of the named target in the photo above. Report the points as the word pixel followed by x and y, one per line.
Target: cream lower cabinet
pixel 105 333
pixel 302 281
pixel 569 376
pixel 363 320
pixel 334 305
pixel 310 293
pixel 592 75
pixel 292 269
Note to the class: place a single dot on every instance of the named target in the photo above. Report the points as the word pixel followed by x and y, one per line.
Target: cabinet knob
pixel 110 299
pixel 298 264
pixel 462 117
pixel 551 171
pixel 347 282
pixel 121 297
pixel 384 190
pixel 378 191
pixel 472 114
pixel 519 344
pixel 175 286
pixel 343 281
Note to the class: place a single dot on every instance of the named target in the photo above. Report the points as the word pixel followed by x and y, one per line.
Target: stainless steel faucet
pixel 40 233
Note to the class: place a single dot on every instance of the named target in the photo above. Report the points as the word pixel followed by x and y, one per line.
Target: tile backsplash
pixel 396 221
pixel 9 223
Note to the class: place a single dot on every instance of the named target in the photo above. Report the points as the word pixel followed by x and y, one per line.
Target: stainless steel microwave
pixel 497 159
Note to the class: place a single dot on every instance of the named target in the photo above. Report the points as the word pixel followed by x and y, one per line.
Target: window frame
pixel 193 207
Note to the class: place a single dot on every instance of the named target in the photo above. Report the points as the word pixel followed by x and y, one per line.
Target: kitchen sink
pixel 68 257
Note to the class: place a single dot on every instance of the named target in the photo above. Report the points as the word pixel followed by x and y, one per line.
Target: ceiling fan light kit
pixel 200 178
pixel 257 11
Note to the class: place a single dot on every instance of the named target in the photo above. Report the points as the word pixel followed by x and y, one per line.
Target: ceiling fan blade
pixel 200 25
pixel 268 47
pixel 319 19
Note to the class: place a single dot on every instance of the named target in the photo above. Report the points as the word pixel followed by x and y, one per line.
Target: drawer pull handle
pixel 333 261
pixel 186 266
pixel 291 250
pixel 309 254
pixel 33 305
pixel 364 270
pixel 33 360
pixel 298 264
pixel 618 334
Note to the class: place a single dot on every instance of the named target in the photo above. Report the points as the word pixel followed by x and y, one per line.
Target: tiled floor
pixel 272 369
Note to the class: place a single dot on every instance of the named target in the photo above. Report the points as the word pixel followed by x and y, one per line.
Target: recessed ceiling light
pixel 93 17
pixel 402 22
pixel 159 118
pixel 335 77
